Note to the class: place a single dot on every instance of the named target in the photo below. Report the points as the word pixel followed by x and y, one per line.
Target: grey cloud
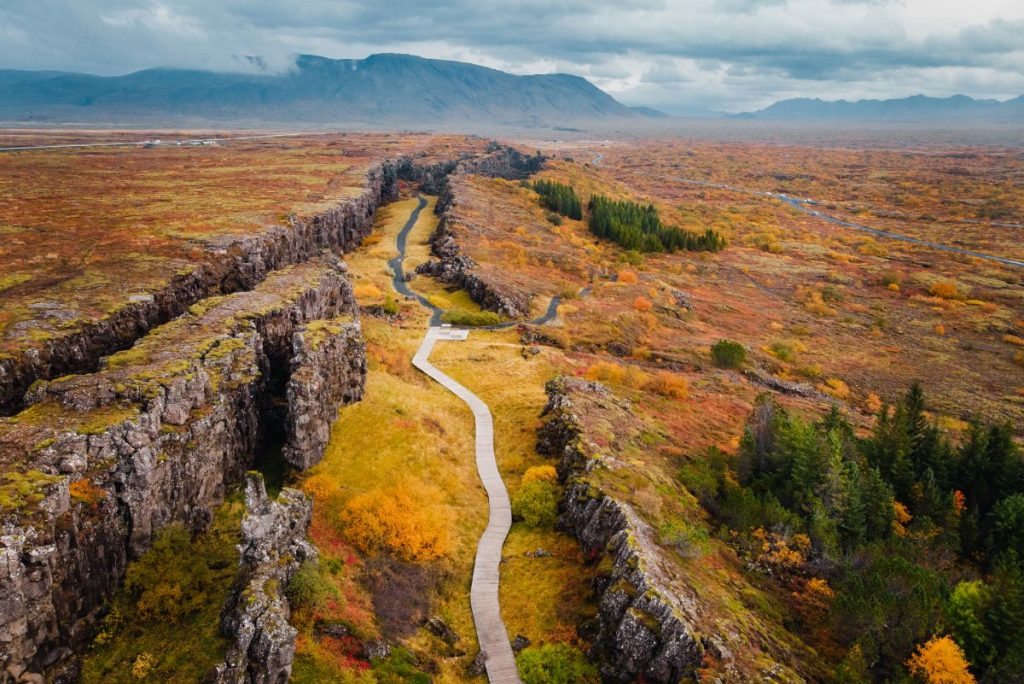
pixel 731 53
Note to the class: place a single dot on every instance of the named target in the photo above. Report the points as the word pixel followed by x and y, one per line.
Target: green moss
pixel 97 421
pixel 21 490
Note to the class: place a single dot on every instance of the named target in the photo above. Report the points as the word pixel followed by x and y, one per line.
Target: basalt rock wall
pixel 152 438
pixel 642 635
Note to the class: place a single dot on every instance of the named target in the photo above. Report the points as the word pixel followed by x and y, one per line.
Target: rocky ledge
pixel 226 265
pixel 644 632
pixel 256 613
pixel 97 463
pixel 653 623
pixel 453 267
pixel 328 370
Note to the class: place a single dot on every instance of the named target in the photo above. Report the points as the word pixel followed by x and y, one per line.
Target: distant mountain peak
pixel 382 89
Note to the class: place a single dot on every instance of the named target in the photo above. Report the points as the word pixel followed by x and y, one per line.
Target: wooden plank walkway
pixel 483 594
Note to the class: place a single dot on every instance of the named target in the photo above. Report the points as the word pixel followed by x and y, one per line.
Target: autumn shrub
pixel 167 582
pixel 311 586
pixel 940 661
pixel 728 354
pixel 606 371
pixel 835 388
pixel 404 519
pixel 536 503
pixel 368 291
pixel 627 277
pixel 390 306
pixel 945 290
pixel 553 218
pixel 668 384
pixel 541 473
pixel 555 663
pixel 642 304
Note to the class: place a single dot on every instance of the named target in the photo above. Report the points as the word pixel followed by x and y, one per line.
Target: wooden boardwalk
pixel 483 594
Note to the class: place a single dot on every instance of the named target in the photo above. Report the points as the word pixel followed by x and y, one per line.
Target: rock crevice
pixel 152 438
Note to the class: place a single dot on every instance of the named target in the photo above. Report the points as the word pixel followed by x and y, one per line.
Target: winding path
pixel 499 660
pixel 807 207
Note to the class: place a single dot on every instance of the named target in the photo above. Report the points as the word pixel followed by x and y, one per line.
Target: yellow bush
pixel 940 329
pixel 606 371
pixel 668 384
pixel 1014 339
pixel 404 519
pixel 836 388
pixel 945 290
pixel 541 473
pixel 940 661
pixel 628 277
pixel 320 486
pixel 367 292
pixel 873 403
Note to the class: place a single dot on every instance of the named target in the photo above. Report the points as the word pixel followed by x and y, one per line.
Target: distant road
pixel 807 207
pixel 141 143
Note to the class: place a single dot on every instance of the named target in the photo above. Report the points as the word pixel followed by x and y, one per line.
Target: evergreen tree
pixel 878 501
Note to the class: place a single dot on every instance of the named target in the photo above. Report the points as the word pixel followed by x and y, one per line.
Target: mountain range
pixel 381 89
pixel 909 109
pixel 388 90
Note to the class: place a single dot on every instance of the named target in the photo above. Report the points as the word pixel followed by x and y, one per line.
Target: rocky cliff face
pixel 231 264
pixel 256 612
pixel 154 437
pixel 644 631
pixel 328 370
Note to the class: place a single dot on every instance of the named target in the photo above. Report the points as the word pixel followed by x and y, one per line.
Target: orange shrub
pixel 628 277
pixel 606 371
pixel 404 519
pixel 642 304
pixel 940 661
pixel 945 290
pixel 1014 339
pixel 668 384
pixel 873 403
pixel 85 491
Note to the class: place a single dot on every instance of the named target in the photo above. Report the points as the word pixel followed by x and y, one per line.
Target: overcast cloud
pixel 675 54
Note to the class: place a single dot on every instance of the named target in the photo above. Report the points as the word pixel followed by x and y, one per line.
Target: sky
pixel 682 56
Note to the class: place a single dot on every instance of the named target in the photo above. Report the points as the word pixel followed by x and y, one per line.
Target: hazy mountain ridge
pixel 914 108
pixel 383 88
